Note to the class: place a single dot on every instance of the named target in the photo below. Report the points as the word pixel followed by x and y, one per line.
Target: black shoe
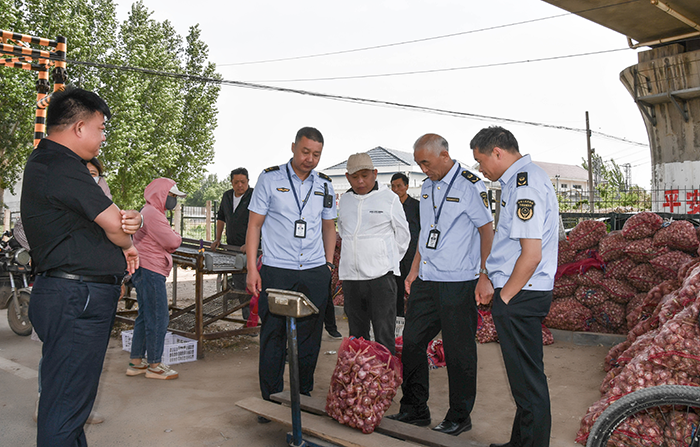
pixel 454 428
pixel 421 419
pixel 507 444
pixel 334 334
pixel 263 420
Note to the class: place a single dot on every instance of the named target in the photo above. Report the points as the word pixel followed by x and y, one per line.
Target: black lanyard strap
pixel 444 198
pixel 291 185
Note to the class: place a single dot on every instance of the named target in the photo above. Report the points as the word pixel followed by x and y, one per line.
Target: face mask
pixel 96 179
pixel 170 203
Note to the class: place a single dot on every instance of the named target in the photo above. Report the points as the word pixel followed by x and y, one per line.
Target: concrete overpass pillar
pixel 665 85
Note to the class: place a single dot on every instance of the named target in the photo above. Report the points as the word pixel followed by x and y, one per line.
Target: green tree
pixel 209 189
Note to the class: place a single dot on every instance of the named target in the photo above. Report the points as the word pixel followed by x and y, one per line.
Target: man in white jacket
pixel 375 235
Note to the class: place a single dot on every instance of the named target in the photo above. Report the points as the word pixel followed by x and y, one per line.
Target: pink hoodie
pixel 156 240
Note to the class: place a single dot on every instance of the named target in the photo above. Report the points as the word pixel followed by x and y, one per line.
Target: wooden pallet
pixel 389 427
pixel 321 427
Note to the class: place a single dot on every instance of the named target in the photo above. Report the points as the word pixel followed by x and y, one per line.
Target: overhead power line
pixel 439 70
pixel 351 99
pixel 425 39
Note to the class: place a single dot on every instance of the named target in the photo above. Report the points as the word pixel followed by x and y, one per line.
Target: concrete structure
pixel 665 85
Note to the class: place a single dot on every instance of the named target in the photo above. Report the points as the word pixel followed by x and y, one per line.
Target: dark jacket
pixel 236 221
pixel 412 209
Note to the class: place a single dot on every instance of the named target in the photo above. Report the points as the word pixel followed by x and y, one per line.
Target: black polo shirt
pixel 60 201
pixel 236 221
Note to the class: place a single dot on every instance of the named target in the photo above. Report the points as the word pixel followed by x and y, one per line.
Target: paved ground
pixel 198 409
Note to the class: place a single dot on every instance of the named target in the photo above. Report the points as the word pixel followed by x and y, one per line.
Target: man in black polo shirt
pixel 81 249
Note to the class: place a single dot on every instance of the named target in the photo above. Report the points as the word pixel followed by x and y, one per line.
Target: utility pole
pixel 591 193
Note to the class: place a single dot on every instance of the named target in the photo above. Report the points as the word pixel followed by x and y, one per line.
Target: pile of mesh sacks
pixel 656 265
pixel 605 281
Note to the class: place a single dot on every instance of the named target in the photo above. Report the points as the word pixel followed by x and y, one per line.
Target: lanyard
pixel 437 213
pixel 291 185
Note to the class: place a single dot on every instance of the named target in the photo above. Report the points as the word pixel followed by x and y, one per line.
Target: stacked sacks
pixel 662 349
pixel 615 271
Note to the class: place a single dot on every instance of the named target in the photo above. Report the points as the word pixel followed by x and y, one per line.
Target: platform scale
pixel 293 305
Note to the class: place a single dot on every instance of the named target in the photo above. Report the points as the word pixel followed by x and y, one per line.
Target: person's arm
pixel 132 221
pixel 402 234
pixel 110 220
pixel 252 241
pixel 328 232
pixel 219 231
pixel 525 266
pixel 484 289
pixel 413 274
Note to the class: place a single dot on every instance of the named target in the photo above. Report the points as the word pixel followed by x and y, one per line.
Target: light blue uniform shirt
pixel 465 209
pixel 274 199
pixel 529 210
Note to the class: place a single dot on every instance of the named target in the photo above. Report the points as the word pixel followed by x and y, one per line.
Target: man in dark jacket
pixel 233 213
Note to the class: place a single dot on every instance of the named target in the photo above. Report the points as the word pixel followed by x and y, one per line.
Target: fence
pixel 193 222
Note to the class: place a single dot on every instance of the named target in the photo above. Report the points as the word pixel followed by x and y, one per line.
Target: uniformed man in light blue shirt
pixel 521 265
pixel 446 280
pixel 294 208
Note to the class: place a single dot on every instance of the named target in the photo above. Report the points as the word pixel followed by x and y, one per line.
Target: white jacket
pixel 375 234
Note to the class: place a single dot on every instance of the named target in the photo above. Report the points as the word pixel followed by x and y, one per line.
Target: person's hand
pixel 132 259
pixel 253 282
pixel 131 221
pixel 409 280
pixel 484 290
pixel 215 244
pixel 243 248
pixel 505 298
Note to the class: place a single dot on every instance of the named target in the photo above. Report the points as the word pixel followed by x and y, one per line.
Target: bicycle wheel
pixel 666 415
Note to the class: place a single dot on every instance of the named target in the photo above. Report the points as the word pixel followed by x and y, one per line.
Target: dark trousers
pixel 329 317
pixel 74 320
pixel 238 281
pixel 519 327
pixel 450 307
pixel 273 332
pixel 372 300
pixel 405 266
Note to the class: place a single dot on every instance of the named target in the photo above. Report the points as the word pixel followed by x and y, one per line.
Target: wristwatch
pixel 330 265
pixel 484 271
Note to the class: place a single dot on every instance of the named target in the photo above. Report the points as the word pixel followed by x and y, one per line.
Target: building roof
pixel 383 158
pixel 565 172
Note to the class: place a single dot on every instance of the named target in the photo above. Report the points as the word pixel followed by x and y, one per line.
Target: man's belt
pixel 103 279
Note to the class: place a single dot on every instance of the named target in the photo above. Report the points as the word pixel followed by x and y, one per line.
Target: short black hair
pixel 96 163
pixel 240 171
pixel 311 133
pixel 400 175
pixel 495 136
pixel 73 104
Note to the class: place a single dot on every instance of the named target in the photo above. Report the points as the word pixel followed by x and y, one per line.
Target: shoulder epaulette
pixel 272 168
pixel 469 176
pixel 522 179
pixel 425 179
pixel 324 176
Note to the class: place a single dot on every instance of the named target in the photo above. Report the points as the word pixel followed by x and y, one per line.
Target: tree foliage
pixel 211 188
pixel 160 127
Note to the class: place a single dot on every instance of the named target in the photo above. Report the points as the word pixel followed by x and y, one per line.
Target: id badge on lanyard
pixel 433 238
pixel 300 229
pixel 300 224
pixel 434 234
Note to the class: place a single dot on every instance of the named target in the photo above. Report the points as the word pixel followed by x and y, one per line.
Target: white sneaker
pixel 162 372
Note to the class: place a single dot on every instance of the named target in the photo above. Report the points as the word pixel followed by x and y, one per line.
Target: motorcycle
pixel 15 266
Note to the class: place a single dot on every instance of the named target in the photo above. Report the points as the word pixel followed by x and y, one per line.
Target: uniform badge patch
pixel 283 189
pixel 318 193
pixel 272 168
pixel 452 199
pixel 503 203
pixel 522 178
pixel 425 196
pixel 485 198
pixel 469 176
pixel 526 208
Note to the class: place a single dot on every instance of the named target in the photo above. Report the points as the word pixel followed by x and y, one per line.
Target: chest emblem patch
pixel 485 198
pixel 283 189
pixel 526 209
pixel 425 196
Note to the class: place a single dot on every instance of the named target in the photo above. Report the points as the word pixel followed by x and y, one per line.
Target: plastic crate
pixel 176 349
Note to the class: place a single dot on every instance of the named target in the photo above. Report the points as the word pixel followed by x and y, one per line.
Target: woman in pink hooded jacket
pixel 154 241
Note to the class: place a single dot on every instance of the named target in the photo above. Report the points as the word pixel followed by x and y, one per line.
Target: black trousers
pixel 432 307
pixel 238 281
pixel 73 319
pixel 405 266
pixel 273 332
pixel 519 327
pixel 372 300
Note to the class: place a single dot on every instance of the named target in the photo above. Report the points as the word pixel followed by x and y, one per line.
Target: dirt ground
pixel 198 409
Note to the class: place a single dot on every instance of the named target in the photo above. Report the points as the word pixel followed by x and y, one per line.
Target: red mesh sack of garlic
pixel 642 225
